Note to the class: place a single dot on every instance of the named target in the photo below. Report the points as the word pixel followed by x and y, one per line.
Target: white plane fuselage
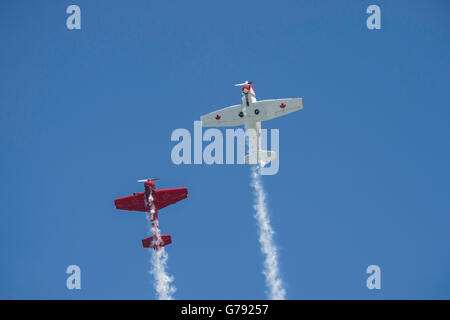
pixel 251 125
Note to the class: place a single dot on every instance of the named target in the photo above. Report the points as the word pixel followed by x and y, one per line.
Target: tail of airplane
pixel 165 240
pixel 264 157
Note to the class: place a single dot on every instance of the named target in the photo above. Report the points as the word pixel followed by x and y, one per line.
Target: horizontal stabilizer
pixel 264 157
pixel 163 241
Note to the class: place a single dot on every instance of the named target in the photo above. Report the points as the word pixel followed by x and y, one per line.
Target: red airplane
pixel 151 201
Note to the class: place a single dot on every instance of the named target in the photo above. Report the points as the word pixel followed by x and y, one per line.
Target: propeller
pixel 243 84
pixel 148 179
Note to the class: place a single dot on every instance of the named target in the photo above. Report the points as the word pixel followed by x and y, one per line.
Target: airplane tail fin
pixel 164 240
pixel 264 157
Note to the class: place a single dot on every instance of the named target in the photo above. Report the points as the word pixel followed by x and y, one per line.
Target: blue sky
pixel 364 168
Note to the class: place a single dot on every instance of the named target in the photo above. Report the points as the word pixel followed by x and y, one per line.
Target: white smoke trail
pixel 163 282
pixel 268 248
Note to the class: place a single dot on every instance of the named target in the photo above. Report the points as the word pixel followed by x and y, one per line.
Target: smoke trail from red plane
pixel 268 247
pixel 163 282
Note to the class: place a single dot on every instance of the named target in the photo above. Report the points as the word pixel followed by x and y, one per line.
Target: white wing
pixel 269 109
pixel 226 117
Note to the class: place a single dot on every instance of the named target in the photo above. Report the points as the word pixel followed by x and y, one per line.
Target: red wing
pixel 135 202
pixel 164 197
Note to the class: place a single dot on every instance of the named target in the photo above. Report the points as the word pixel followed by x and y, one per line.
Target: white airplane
pixel 250 114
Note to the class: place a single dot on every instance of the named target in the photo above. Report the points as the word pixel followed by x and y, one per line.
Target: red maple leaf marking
pixel 217 117
pixel 282 106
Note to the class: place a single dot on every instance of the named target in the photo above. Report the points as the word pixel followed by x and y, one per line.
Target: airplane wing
pixel 165 197
pixel 134 202
pixel 226 117
pixel 270 109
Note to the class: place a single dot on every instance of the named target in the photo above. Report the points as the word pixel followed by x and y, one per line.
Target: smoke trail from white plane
pixel 268 247
pixel 163 282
